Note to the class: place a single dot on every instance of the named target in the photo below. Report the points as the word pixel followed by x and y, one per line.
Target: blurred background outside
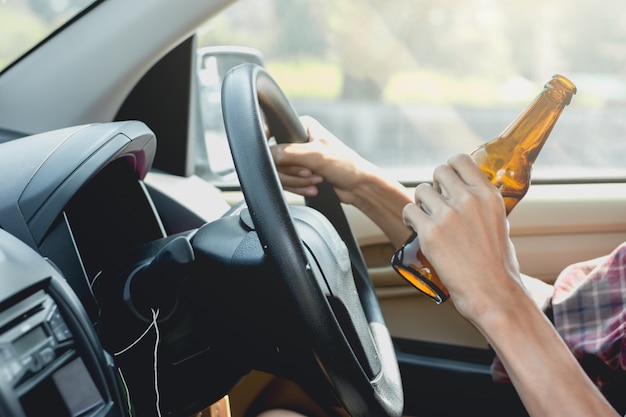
pixel 409 83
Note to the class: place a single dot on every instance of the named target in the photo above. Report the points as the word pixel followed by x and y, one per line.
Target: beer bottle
pixel 506 161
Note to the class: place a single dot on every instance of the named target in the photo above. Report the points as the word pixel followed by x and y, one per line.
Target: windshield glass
pixel 409 83
pixel 25 23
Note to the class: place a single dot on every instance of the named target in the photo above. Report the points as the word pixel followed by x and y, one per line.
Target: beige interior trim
pixel 551 228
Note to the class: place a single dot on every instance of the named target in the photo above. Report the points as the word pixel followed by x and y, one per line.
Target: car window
pixel 25 23
pixel 409 83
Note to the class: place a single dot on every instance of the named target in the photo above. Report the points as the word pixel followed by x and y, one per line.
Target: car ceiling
pixel 103 55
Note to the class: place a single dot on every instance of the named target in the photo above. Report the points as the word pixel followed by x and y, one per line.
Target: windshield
pixel 25 23
pixel 409 83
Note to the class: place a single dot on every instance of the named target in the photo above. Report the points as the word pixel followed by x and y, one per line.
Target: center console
pixel 51 362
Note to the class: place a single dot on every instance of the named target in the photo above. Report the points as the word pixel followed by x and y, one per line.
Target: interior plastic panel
pixel 43 188
pixel 51 361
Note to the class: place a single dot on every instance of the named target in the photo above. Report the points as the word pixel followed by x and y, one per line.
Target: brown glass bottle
pixel 506 161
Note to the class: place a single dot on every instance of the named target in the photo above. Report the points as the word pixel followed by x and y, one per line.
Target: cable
pixel 155 316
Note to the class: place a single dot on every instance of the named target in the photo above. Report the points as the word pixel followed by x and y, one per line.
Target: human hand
pixel 301 166
pixel 463 231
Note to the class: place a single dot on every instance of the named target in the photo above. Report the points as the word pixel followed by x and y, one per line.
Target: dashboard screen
pixel 111 215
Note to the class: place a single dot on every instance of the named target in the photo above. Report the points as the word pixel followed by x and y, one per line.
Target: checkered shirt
pixel 588 310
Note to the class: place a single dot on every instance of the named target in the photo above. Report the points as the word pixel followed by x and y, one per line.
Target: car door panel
pixel 553 227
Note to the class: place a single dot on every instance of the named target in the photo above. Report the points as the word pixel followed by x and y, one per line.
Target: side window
pixel 407 84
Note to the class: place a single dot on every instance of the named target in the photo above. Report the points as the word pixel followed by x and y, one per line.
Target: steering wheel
pixel 351 344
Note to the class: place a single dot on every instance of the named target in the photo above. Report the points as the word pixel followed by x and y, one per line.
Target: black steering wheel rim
pixel 246 89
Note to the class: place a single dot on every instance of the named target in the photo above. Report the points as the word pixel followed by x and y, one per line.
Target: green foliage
pixel 427 51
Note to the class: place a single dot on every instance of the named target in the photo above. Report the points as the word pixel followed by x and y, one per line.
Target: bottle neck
pixel 530 130
pixel 508 159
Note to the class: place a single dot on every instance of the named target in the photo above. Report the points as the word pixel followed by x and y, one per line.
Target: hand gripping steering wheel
pixel 352 345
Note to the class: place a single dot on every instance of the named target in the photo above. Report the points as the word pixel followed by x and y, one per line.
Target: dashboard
pixel 134 282
pixel 77 198
pixel 79 187
pixel 51 362
pixel 111 214
pixel 72 200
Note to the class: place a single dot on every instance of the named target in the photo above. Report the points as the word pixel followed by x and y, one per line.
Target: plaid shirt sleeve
pixel 588 310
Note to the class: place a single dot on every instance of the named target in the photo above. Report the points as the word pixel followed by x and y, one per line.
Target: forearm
pixel 465 235
pixel 382 200
pixel 546 375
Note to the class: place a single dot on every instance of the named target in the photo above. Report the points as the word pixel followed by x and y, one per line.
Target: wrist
pixel 382 200
pixel 494 312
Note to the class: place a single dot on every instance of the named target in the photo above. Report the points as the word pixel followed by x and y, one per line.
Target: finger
pixel 474 181
pixel 310 191
pixel 467 169
pixel 279 155
pixel 412 215
pixel 290 180
pixel 459 176
pixel 459 171
pixel 317 132
pixel 295 171
pixel 427 199
pixel 447 181
pixel 304 186
pixel 310 124
pixel 295 154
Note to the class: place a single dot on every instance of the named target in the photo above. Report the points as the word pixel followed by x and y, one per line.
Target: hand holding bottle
pixel 506 162
pixel 464 232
